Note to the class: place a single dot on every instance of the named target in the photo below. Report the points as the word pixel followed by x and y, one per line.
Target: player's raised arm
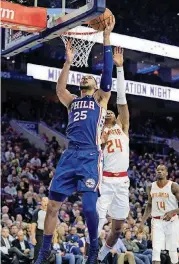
pixel 63 94
pixel 104 92
pixel 123 111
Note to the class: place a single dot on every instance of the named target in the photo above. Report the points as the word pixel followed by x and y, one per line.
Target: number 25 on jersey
pixel 80 116
pixel 113 144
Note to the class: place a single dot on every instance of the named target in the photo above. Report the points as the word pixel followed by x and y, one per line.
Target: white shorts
pixel 164 235
pixel 114 199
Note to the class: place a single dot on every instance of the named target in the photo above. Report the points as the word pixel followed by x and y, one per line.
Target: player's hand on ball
pixel 118 56
pixel 109 25
pixel 69 52
pixel 168 216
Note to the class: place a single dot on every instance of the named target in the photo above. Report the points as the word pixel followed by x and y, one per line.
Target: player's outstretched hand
pixel 118 56
pixel 69 52
pixel 109 25
pixel 168 216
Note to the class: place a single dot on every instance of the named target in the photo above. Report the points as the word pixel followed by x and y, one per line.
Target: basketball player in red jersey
pixel 163 198
pixel 114 199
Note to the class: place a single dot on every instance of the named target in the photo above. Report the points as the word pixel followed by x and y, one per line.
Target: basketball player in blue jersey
pixel 80 166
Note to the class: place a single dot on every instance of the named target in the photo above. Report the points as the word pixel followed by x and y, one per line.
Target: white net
pixel 82 42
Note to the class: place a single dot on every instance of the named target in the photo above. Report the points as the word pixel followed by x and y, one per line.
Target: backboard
pixel 66 15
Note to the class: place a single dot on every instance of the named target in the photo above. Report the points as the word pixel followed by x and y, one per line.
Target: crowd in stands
pixel 147 19
pixel 26 174
pixel 54 114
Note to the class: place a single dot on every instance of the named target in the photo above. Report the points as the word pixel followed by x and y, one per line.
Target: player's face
pixel 110 117
pixel 161 172
pixel 88 83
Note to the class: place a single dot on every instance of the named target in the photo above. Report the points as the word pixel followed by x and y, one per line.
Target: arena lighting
pixel 137 44
pixel 50 74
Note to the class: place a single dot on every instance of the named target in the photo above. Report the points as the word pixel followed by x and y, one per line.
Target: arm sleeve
pixel 121 93
pixel 106 79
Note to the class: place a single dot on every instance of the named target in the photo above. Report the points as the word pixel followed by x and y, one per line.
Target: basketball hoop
pixel 83 39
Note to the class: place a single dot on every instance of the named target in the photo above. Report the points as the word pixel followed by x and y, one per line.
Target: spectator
pixel 73 231
pixel 10 189
pixel 23 246
pixel 9 223
pixel 13 176
pixel 80 229
pixel 9 154
pixel 4 210
pixel 122 253
pixel 59 247
pixel 14 231
pixel 35 161
pixel 41 192
pixel 142 244
pixel 5 218
pixel 54 143
pixel 75 247
pixel 7 249
pixel 19 203
pixel 21 187
pixel 132 247
pixel 26 172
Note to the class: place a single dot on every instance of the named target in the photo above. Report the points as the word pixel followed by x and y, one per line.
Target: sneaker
pixel 92 256
pixel 44 257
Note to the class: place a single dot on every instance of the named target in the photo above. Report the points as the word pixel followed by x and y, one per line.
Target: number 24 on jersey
pixel 113 144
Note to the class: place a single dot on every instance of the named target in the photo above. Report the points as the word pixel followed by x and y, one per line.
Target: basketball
pixel 98 23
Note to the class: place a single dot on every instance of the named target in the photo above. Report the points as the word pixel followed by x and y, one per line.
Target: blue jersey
pixel 85 121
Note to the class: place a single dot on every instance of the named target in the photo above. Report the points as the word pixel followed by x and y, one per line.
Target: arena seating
pixel 17 157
